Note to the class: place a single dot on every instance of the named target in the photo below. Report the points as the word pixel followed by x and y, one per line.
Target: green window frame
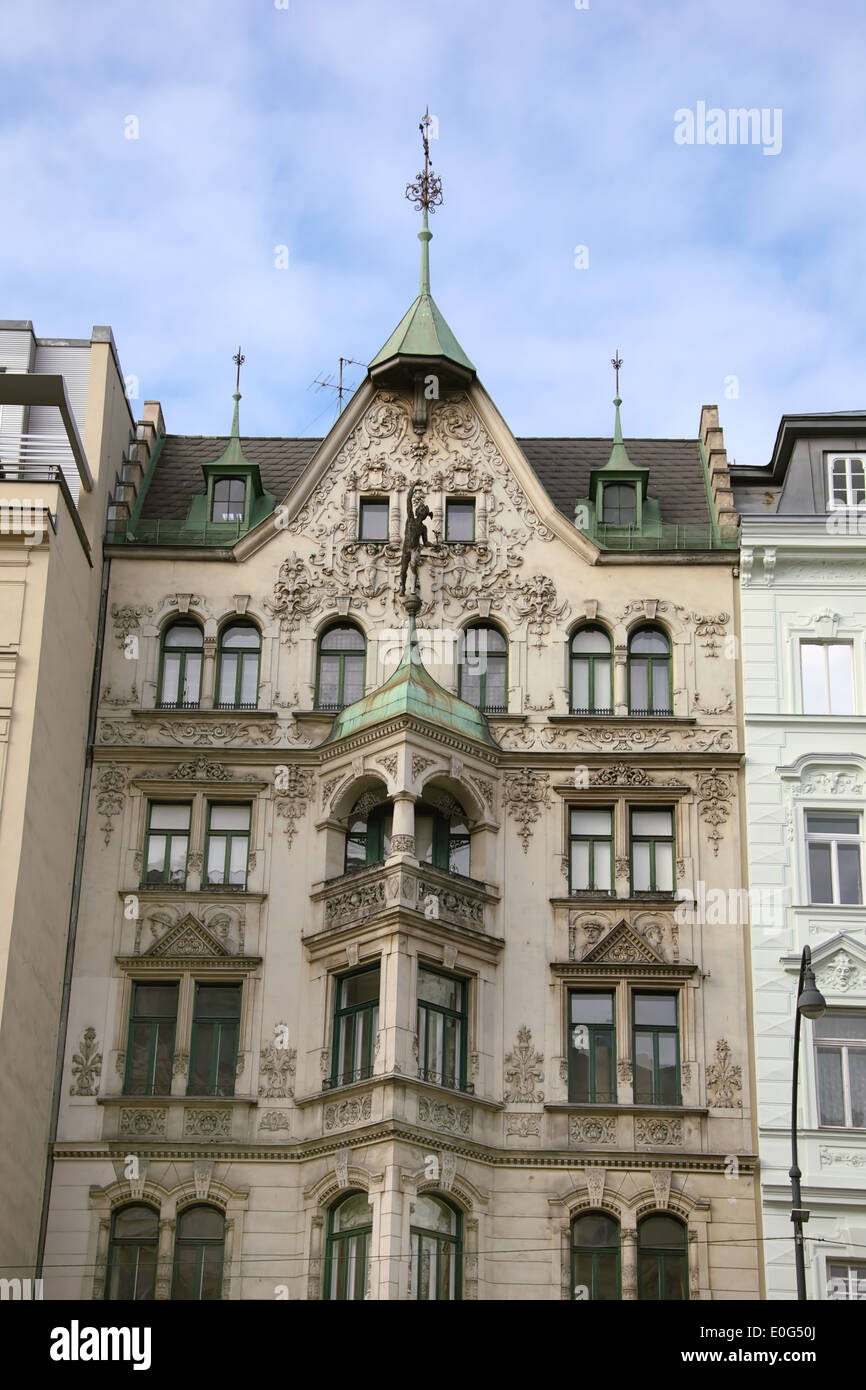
pixel 652 849
pixel 591 1047
pixel 373 519
pixel 656 1048
pixel 482 668
pixel 347 1250
pixel 650 675
pixel 595 1258
pixel 199 1254
pixel 356 1023
pixel 368 837
pixel 662 1264
pixel 442 839
pixel 443 1024
pixel 340 666
pixel 590 849
pixel 130 1276
pixel 460 520
pixel 151 1038
pixel 213 1056
pixel 618 504
pixel 181 651
pixel 590 672
pixel 227 844
pixel 238 665
pixel 166 844
pixel 228 501
pixel 436 1261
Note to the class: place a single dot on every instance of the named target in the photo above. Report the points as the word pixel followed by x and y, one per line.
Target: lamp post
pixel 810 1004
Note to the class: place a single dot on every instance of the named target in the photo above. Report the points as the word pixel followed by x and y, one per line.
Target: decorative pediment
pixel 189 937
pixel 840 967
pixel 623 946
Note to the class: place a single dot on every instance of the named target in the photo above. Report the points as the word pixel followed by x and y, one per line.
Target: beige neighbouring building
pixel 394 956
pixel 66 432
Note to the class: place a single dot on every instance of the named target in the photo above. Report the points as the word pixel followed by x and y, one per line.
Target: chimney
pixel 713 441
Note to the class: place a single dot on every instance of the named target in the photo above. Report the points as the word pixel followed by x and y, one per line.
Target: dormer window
pixel 373 519
pixel 229 496
pixel 618 504
pixel 846 481
pixel 460 519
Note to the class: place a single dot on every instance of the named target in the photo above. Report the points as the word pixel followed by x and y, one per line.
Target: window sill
pixel 211 712
pixel 161 1101
pixel 630 1108
pixel 669 718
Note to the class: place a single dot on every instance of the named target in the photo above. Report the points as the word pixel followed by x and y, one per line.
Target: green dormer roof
pixel 422 333
pixel 231 464
pixel 412 690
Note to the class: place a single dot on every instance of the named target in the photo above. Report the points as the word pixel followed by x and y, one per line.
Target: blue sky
pixel 261 126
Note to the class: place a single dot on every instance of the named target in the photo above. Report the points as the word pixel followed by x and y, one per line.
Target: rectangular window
pixel 373 519
pixel 228 844
pixel 356 1023
pixel 827 674
pixel 656 1049
pixel 590 837
pixel 214 1051
pixel 846 1279
pixel 840 1047
pixel 652 851
pixel 833 845
pixel 459 520
pixel 150 1046
pixel 618 504
pixel 846 481
pixel 591 1048
pixel 166 843
pixel 441 1029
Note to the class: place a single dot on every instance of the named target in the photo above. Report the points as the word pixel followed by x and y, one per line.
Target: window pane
pixel 192 679
pixel 812 668
pixel 820 873
pixel 659 1010
pixel 661 691
pixel 649 643
pixel 353 1213
pixel 589 639
pixel 200 1222
pixel 641 867
pixel 353 679
pixel 580 864
pixel 639 685
pixel 359 989
pixel 664 867
pixel 580 684
pixel 495 696
pixel 140 1223
pixel 201 1076
pixel 227 1059
pixel 155 1001
pixel 849 874
pixel 830 1090
pixel 857 1085
pixel 169 817
pixel 839 655
pixel 228 678
pixel 592 1008
pixel 608 1285
pixel 329 680
pixel 459 856
pixel 590 822
pixel 602 698
pixel 218 1001
pixel 374 521
pixel 667 1048
pixel 240 635
pixel 841 1023
pixel 648 1275
pixel 184 635
pixel 661 1233
pixel 824 823
pixel 643 1068
pixel 343 639
pixel 238 858
pixel 651 823
pixel 439 989
pixel 250 678
pixel 170 678
pixel 424 837
pixel 604 1063
pixel 177 858
pixel 229 817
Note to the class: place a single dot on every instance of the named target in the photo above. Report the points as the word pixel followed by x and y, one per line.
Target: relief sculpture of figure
pixel 414 537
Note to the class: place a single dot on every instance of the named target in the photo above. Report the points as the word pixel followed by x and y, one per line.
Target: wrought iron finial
pixel 426 193
pixel 616 363
pixel 239 359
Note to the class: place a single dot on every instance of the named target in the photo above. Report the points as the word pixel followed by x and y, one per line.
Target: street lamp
pixel 810 1004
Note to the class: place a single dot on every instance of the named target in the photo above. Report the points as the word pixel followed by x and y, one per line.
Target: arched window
pixel 350 1225
pixel 180 674
pixel 649 672
pixel 442 837
pixel 435 1271
pixel 340 667
pixel 482 668
pixel 662 1274
pixel 238 674
pixel 368 838
pixel 229 495
pixel 591 672
pixel 198 1254
pixel 132 1254
pixel 595 1257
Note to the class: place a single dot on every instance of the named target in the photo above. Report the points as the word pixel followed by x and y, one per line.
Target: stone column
pixel 620 678
pixel 389 1269
pixel 101 1259
pixel 164 1260
pixel 207 697
pixel 628 1237
pixel 403 833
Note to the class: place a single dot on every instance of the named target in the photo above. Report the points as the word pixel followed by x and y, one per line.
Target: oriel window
pixel 356 1022
pixel 441 1028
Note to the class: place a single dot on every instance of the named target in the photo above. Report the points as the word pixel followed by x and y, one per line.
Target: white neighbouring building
pixel 803 584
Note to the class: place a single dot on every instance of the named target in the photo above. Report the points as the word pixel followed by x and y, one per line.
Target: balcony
pixel 435 894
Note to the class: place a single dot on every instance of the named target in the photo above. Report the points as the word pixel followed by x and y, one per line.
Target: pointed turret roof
pixel 422 336
pixel 411 690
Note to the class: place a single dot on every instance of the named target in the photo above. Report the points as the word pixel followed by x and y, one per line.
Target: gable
pixel 189 937
pixel 623 946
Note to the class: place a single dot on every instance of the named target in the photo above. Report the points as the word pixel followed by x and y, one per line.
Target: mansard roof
pixel 562 466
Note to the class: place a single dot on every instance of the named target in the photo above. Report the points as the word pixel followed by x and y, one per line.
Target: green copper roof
pixel 412 690
pixel 233 454
pixel 618 455
pixel 422 331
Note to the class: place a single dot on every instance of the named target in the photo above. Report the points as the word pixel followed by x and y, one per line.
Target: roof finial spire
pixel 616 363
pixel 239 360
pixel 426 194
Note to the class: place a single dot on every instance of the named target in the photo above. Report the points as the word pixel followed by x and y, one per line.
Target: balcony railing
pixel 667 536
pixel 157 531
pixel 23 455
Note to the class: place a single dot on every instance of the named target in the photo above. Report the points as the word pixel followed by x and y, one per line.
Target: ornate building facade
pixel 804 664
pixel 402 971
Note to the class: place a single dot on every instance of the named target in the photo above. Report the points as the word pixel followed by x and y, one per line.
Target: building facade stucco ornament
pixel 841 975
pixel 724 1080
pixel 524 1070
pixel 525 794
pixel 86 1066
pixel 298 789
pixel 715 793
pixel 110 791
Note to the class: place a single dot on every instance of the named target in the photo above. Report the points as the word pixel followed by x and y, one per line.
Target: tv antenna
pixel 328 384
